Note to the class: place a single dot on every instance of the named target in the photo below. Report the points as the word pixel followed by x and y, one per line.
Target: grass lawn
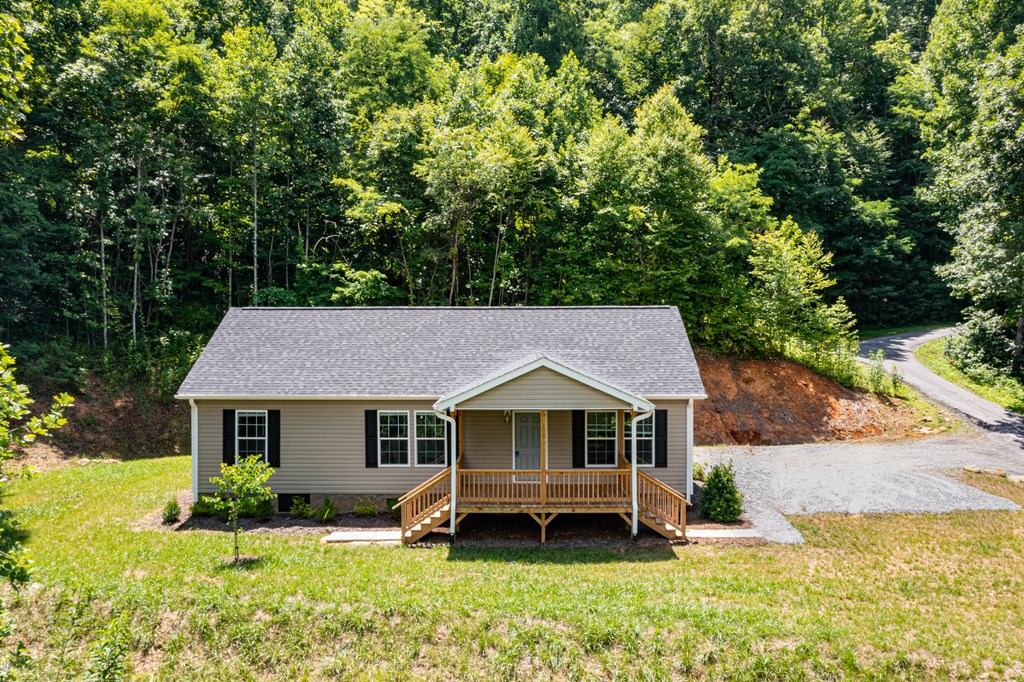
pixel 1007 392
pixel 873 333
pixel 893 597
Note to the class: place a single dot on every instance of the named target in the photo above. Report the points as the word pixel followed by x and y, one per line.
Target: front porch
pixel 544 439
pixel 543 495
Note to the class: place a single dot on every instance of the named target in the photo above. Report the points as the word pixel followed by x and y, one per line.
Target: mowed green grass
pixel 1006 391
pixel 893 597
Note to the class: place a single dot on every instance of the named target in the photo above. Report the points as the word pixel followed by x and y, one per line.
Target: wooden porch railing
pixel 498 487
pixel 425 499
pixel 656 498
pixel 588 488
pixel 552 488
pixel 535 490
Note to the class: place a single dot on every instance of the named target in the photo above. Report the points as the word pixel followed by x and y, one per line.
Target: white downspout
pixel 632 468
pixel 195 449
pixel 454 455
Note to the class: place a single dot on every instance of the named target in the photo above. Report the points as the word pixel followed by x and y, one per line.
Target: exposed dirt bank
pixel 756 402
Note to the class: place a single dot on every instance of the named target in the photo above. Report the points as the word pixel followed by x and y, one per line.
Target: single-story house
pixel 456 411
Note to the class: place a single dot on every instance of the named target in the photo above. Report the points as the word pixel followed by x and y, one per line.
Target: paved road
pixel 872 477
pixel 899 351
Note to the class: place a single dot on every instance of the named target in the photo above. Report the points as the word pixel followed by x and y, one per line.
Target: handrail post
pixel 543 457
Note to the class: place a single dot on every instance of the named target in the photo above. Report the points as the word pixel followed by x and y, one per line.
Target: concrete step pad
pixel 376 537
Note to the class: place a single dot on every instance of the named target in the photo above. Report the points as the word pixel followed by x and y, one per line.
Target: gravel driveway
pixel 860 478
pixel 857 478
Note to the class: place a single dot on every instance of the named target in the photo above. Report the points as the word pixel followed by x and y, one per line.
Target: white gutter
pixel 632 467
pixel 454 455
pixel 195 449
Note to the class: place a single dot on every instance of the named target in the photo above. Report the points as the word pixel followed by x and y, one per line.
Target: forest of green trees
pixel 776 168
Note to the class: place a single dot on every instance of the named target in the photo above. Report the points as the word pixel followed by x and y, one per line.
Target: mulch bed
pixel 477 530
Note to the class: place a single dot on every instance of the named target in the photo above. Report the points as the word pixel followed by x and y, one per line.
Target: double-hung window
pixel 430 440
pixel 602 439
pixel 251 433
pixel 393 438
pixel 644 441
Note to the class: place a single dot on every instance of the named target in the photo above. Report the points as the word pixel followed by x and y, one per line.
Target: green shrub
pixel 326 511
pixel 206 506
pixel 172 511
pixel 699 473
pixel 365 507
pixel 721 500
pixel 300 508
pixel 256 509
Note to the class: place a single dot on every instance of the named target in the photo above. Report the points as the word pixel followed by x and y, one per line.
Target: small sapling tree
pixel 242 485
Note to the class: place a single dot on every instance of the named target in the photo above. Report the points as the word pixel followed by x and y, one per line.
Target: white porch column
pixel 689 450
pixel 632 468
pixel 453 455
pixel 195 449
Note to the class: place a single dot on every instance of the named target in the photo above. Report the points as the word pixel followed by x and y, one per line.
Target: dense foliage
pixel 760 165
pixel 973 75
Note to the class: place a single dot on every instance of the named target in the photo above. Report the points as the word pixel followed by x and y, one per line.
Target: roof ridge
pixel 652 306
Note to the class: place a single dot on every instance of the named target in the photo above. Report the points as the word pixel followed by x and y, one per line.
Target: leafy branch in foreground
pixel 18 429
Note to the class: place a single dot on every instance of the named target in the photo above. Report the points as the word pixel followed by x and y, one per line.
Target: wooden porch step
pixel 662 527
pixel 439 517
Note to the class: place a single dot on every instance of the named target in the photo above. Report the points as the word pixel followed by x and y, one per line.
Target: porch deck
pixel 543 494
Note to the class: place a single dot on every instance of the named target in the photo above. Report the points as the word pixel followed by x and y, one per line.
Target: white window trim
pixel 626 439
pixel 408 438
pixel 586 441
pixel 266 432
pixel 416 440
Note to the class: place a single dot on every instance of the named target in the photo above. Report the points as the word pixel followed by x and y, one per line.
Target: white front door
pixel 526 440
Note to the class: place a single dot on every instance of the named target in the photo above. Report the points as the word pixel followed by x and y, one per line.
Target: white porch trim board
pixel 689 450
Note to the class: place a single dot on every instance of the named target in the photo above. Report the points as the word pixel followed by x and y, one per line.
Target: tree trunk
pixel 135 256
pixel 235 528
pixel 103 281
pixel 1017 347
pixel 255 216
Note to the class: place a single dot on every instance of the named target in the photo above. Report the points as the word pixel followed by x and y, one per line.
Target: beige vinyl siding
pixel 541 389
pixel 323 445
pixel 486 440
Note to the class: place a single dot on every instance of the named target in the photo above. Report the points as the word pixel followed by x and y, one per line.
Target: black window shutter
pixel 371 438
pixel 661 438
pixel 274 438
pixel 579 439
pixel 447 444
pixel 228 450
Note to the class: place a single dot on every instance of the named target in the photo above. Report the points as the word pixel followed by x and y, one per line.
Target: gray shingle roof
pixel 420 351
